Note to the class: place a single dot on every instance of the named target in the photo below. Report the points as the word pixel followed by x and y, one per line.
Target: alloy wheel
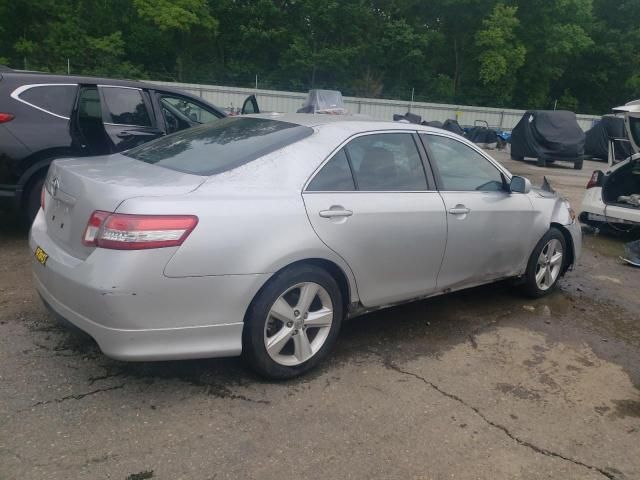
pixel 549 264
pixel 298 324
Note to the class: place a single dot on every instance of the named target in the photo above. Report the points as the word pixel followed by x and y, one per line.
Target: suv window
pixel 219 146
pixel 125 106
pixel 335 176
pixel 57 99
pixel 461 168
pixel 190 109
pixel 386 162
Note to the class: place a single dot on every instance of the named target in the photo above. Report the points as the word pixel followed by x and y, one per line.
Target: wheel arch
pixel 339 275
pixel 568 240
pixel 38 166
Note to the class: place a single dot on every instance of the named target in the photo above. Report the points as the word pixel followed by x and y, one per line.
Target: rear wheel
pixel 516 157
pixel 546 264
pixel 542 162
pixel 577 165
pixel 293 322
pixel 32 198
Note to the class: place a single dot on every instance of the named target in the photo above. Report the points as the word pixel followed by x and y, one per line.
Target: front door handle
pixel 334 212
pixel 124 134
pixel 459 210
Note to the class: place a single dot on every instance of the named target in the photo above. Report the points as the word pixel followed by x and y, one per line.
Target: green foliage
pixel 509 53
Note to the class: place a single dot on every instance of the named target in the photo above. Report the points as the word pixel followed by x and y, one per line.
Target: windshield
pixel 219 146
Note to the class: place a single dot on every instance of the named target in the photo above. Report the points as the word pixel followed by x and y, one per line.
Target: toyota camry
pixel 258 235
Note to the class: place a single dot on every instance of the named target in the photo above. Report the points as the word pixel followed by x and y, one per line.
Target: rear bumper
pixel 594 210
pixel 133 311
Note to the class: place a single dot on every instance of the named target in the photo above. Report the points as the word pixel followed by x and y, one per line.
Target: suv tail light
pixel 6 117
pixel 595 180
pixel 121 231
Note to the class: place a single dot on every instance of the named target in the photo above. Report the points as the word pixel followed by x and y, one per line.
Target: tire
pixel 577 165
pixel 278 312
pixel 517 157
pixel 542 162
pixel 552 241
pixel 32 198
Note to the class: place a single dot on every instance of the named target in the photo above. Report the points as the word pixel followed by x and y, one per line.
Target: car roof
pixel 44 77
pixel 26 77
pixel 350 121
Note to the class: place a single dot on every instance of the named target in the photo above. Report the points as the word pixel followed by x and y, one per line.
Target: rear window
pixel 56 99
pixel 219 146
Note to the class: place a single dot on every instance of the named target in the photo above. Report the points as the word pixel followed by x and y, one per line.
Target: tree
pixel 182 20
pixel 501 54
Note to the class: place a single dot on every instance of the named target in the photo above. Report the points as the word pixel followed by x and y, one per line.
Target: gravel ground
pixel 481 384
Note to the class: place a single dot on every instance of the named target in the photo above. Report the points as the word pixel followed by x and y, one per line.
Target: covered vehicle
pixel 257 235
pixel 324 101
pixel 482 135
pixel 453 126
pixel 613 196
pixel 548 135
pixel 610 129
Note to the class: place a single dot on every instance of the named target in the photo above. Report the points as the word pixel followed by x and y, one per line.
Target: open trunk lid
pixel 75 188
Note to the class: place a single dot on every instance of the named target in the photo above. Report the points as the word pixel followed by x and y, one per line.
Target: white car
pixel 613 197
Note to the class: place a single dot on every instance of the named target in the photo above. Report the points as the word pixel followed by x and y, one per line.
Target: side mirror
pixel 519 185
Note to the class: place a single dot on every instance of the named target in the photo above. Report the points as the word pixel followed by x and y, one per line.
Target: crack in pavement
pixel 543 451
pixel 77 396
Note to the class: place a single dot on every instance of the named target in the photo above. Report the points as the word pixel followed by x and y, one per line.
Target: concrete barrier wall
pixel 280 101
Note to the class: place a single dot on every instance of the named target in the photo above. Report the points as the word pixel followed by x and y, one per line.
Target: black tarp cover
pixel 483 136
pixel 548 134
pixel 453 126
pixel 432 123
pixel 597 139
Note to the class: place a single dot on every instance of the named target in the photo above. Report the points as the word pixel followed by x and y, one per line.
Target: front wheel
pixel 546 264
pixel 293 322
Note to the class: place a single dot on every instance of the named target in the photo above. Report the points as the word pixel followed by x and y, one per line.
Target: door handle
pixel 459 210
pixel 333 213
pixel 124 135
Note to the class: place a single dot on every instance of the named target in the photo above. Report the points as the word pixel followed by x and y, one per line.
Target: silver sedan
pixel 258 235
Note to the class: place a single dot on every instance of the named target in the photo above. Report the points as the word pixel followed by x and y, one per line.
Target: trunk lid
pixel 75 188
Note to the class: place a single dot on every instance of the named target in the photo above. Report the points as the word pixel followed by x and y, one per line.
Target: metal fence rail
pixel 280 101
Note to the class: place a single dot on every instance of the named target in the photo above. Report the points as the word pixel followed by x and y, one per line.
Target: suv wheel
pixel 32 198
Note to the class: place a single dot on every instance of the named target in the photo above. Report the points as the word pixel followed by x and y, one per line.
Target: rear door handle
pixel 459 210
pixel 337 212
pixel 124 135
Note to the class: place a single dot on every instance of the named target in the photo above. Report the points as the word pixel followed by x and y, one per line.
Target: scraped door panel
pixel 393 241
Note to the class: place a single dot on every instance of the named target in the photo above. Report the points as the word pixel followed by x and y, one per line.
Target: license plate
pixel 41 256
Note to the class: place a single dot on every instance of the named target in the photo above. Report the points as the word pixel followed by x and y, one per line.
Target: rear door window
pixel 125 106
pixel 55 99
pixel 219 146
pixel 387 162
pixel 335 176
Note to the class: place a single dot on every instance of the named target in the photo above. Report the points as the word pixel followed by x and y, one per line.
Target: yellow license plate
pixel 41 256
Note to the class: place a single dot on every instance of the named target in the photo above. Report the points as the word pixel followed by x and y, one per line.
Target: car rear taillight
pixel 121 231
pixel 6 117
pixel 595 180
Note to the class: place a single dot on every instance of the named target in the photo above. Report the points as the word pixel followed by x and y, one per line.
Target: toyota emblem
pixel 55 185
